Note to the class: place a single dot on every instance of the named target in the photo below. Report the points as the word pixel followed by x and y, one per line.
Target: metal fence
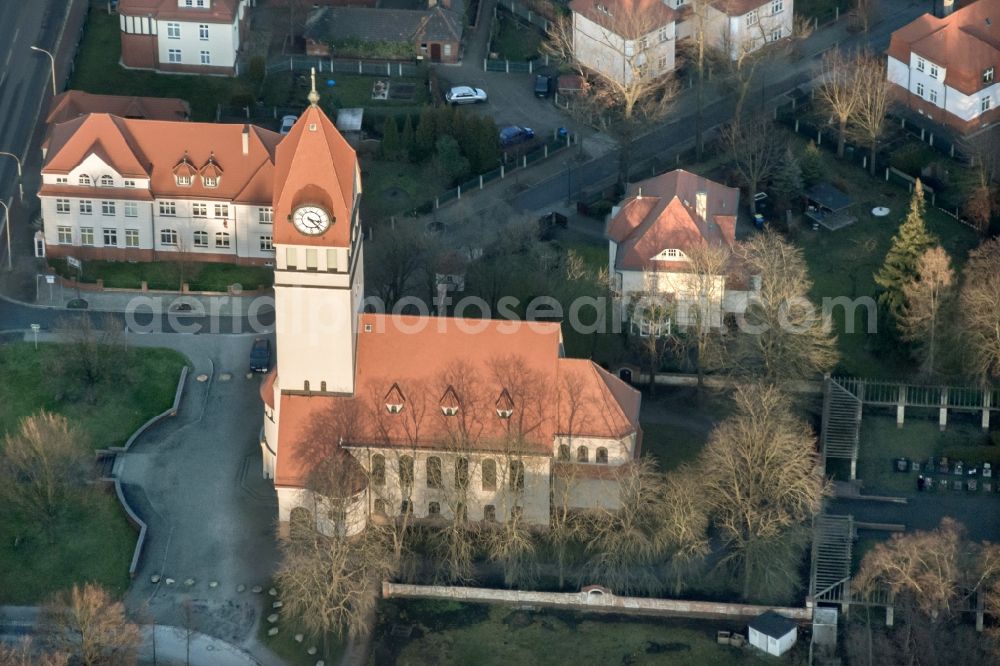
pixel 509 66
pixel 524 13
pixel 513 165
pixel 344 66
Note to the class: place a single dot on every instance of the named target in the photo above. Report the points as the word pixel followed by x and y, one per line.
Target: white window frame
pixel 62 180
pixel 131 209
pixel 265 215
pixel 168 208
pixel 210 182
pixel 87 236
pixel 920 89
pixel 221 211
pixel 222 239
pixel 108 208
pixel 934 71
pixel 985 104
pixel 84 180
pixel 131 238
pixel 128 182
pixel 664 34
pixel 174 55
pixel 200 238
pixel 777 6
pixel 184 181
pixel 168 237
pixel 989 74
pixel 205 57
pixel 107 181
pixel 921 64
pixel 932 95
pixel 62 206
pixel 266 243
pixel 203 32
pixel 751 18
pixel 173 31
pixel 86 207
pixel 110 237
pixel 64 234
pixel 199 210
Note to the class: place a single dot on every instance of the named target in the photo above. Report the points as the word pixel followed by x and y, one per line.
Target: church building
pixel 368 416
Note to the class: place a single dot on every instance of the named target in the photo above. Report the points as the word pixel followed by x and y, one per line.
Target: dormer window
pixel 505 406
pixel 211 172
pixel 84 180
pixel 394 400
pixel 671 254
pixel 988 74
pixel 107 181
pixel 449 402
pixel 211 182
pixel 184 181
pixel 184 172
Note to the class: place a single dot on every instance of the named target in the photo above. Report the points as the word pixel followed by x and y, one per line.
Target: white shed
pixel 773 633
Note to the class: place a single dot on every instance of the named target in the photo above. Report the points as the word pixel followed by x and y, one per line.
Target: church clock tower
pixel 319 267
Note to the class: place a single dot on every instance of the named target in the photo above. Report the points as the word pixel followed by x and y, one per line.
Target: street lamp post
pixel 6 227
pixel 20 176
pixel 53 61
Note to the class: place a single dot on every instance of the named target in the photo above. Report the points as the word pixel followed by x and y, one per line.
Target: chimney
pixel 701 205
pixel 947 7
pixel 246 140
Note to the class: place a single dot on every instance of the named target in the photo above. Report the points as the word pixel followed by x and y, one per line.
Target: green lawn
pixel 396 188
pixel 167 275
pixel 514 40
pixel 291 651
pixel 349 90
pixel 672 445
pixel 918 439
pixel 91 541
pixel 457 633
pixel 97 70
pixel 843 262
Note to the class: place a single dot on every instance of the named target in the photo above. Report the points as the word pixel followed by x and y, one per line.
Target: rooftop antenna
pixel 640 193
pixel 313 95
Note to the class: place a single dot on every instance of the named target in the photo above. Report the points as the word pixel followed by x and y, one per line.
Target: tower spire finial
pixel 313 95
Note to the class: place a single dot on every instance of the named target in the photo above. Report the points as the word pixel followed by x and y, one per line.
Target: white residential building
pixel 192 36
pixel 946 68
pixel 145 190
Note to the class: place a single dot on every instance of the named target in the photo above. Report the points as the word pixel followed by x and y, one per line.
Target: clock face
pixel 311 220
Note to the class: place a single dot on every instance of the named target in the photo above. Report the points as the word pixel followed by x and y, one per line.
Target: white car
pixel 286 124
pixel 465 95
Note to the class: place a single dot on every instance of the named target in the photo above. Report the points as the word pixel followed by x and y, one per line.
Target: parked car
pixel 515 134
pixel 286 124
pixel 465 95
pixel 260 355
pixel 543 86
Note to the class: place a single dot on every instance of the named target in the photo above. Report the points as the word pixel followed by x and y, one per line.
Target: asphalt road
pixel 17 317
pixel 670 136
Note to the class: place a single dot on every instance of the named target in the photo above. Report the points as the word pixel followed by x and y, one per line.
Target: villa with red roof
pixel 946 68
pixel 130 189
pixel 371 416
pixel 651 234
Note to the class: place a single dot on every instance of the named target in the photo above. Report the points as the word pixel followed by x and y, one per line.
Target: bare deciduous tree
pixel 395 259
pixel 875 89
pixel 782 334
pixel 92 353
pixel 762 485
pixel 89 625
pixel 651 315
pixel 923 319
pixel 980 311
pixel 26 653
pixel 41 464
pixel 839 93
pixel 330 584
pixel 630 92
pixel 755 149
pixel 701 318
pixel 983 202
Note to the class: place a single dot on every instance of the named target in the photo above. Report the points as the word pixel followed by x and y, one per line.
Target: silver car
pixel 465 95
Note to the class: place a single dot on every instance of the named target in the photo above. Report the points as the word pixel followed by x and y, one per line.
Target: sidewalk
pixel 154 302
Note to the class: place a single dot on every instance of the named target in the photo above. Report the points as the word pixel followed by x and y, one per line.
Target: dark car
pixel 514 134
pixel 260 355
pixel 543 85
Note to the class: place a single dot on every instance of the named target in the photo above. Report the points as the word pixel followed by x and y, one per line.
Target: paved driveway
pixel 196 481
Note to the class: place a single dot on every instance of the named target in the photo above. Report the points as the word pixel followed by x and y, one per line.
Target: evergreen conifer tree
pixel 787 182
pixel 406 142
pixel 425 135
pixel 811 164
pixel 908 245
pixel 390 139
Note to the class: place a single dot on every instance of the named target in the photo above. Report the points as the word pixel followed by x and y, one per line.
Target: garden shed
pixel 773 633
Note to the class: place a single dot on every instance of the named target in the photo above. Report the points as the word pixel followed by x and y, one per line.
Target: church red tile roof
pixel 434 362
pixel 660 213
pixel 218 11
pixel 315 165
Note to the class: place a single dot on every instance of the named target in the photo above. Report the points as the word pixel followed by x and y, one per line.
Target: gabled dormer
pixel 395 400
pixel 505 405
pixel 184 172
pixel 211 172
pixel 194 4
pixel 671 254
pixel 449 402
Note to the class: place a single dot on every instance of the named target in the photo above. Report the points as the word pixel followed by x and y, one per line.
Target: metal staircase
pixel 841 428
pixel 833 542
